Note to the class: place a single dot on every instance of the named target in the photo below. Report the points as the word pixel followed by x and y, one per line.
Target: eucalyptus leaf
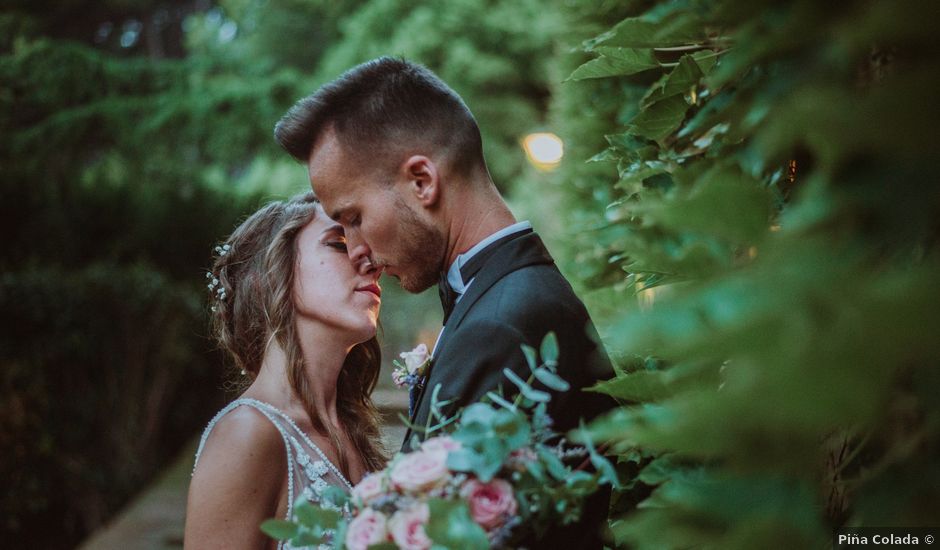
pixel 464 460
pixel 531 357
pixel 280 529
pixel 551 380
pixel 552 463
pixel 549 349
pixel 499 400
pixel 335 495
pixel 451 526
pixel 306 538
pixel 311 516
pixel 528 391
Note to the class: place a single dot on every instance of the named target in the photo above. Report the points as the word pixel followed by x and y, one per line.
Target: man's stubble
pixel 422 247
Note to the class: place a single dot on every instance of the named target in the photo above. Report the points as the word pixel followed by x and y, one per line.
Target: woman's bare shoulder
pixel 238 480
pixel 243 440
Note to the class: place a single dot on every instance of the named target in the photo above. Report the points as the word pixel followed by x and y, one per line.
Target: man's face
pixel 375 213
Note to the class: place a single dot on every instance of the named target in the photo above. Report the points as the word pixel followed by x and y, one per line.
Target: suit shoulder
pixel 535 290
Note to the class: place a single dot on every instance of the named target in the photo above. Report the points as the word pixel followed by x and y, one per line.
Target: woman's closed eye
pixel 338 245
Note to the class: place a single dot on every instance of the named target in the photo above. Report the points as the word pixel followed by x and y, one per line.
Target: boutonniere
pixel 412 368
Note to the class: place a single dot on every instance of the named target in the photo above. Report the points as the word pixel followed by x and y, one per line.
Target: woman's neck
pixel 323 357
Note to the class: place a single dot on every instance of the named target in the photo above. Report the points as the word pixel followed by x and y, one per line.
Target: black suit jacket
pixel 516 298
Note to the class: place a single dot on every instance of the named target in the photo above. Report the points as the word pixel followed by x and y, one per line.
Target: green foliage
pixel 457 529
pixel 109 210
pixel 757 219
pixel 511 443
pixel 95 361
pixel 496 55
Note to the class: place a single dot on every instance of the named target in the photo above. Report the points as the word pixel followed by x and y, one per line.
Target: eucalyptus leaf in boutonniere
pixel 412 368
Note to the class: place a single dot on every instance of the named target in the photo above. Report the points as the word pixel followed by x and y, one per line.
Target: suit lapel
pixel 528 249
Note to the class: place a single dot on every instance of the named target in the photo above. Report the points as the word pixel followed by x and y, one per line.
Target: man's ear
pixel 423 179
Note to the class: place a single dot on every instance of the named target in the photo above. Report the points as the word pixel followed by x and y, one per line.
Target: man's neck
pixel 476 220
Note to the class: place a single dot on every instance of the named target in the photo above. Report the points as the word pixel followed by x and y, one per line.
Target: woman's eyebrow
pixel 334 229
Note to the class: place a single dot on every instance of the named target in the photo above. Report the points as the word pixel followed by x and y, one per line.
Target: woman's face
pixel 328 288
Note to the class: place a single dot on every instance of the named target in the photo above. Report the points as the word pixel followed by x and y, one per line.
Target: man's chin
pixel 414 285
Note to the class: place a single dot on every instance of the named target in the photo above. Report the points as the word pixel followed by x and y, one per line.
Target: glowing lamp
pixel 544 150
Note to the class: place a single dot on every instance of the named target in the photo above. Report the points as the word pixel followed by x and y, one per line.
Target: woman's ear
pixel 423 179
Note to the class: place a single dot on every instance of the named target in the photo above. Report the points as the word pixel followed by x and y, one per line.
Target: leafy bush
pixel 96 364
pixel 108 219
pixel 770 210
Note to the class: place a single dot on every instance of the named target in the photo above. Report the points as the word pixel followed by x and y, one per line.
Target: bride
pixel 299 320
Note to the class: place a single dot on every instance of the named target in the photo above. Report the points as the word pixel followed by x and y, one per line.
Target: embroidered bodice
pixel 309 471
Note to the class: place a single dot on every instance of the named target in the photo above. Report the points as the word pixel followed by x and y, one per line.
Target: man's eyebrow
pixel 334 229
pixel 337 214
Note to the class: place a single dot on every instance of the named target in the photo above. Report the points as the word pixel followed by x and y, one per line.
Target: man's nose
pixel 355 246
pixel 361 256
pixel 368 269
pixel 365 267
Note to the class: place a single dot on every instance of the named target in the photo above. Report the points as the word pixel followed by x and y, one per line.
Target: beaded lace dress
pixel 309 471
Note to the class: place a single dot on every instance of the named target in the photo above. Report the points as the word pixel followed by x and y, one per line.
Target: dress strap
pixel 271 413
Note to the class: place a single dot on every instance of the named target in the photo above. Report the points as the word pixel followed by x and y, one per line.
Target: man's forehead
pixel 336 197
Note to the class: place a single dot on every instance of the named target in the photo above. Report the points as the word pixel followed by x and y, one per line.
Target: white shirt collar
pixel 453 273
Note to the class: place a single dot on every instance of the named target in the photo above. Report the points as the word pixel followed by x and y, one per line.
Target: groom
pixel 396 157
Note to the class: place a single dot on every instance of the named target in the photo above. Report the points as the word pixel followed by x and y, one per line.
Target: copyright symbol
pixel 928 539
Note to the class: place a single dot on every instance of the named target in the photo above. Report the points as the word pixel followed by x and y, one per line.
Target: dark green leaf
pixel 683 77
pixel 616 62
pixel 637 386
pixel 635 32
pixel 660 119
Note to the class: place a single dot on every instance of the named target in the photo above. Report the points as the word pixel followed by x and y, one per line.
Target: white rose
pixel 416 358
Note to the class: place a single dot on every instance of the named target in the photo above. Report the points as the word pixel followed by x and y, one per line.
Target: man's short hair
pixel 383 109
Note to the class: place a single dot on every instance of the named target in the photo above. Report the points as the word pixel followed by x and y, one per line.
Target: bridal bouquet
pixel 484 478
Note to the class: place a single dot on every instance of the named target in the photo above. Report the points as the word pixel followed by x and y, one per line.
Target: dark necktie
pixel 469 270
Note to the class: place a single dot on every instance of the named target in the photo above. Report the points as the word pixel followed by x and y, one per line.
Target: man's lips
pixel 373 288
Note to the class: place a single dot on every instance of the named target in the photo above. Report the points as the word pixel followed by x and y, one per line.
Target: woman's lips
pixel 374 289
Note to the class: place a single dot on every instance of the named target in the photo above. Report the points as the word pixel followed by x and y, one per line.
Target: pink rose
pixel 491 504
pixel 407 527
pixel 420 470
pixel 441 443
pixel 369 488
pixel 366 529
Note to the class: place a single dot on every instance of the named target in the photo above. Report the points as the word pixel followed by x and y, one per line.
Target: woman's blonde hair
pixel 254 272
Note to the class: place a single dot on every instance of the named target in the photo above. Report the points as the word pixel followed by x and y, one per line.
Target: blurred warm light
pixel 544 150
pixel 646 297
